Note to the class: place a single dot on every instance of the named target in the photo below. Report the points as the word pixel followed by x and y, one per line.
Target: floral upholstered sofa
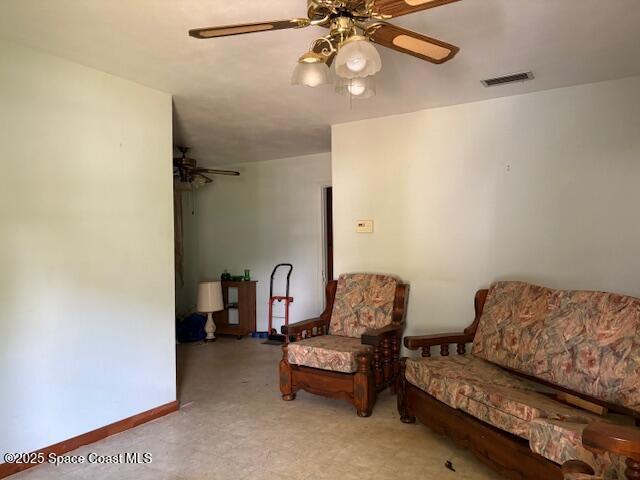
pixel 551 387
pixel 352 349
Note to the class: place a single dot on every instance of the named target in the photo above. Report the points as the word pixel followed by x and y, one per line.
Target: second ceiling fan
pixel 353 25
pixel 187 175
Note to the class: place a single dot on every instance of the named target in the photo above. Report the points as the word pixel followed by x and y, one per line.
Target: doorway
pixel 327 207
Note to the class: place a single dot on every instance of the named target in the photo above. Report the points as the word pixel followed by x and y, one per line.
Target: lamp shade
pixel 357 58
pixel 356 87
pixel 210 297
pixel 310 71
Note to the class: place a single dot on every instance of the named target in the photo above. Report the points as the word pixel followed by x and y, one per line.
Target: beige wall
pixel 86 250
pixel 271 214
pixel 540 187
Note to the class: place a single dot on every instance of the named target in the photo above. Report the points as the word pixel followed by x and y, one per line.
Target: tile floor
pixel 233 426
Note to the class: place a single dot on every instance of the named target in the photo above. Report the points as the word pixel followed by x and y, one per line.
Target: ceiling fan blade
pixel 212 171
pixel 412 43
pixel 395 8
pixel 223 31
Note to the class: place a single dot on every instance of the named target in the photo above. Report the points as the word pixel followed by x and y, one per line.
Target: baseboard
pixel 93 436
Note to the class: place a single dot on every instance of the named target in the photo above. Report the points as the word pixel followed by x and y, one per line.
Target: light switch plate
pixel 364 226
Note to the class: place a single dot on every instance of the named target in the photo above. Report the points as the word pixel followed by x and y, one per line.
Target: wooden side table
pixel 227 322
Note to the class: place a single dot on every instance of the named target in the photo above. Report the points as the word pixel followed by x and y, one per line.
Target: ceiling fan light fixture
pixel 354 26
pixel 360 88
pixel 311 71
pixel 357 58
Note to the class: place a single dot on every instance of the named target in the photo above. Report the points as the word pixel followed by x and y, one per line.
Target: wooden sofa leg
pixel 401 387
pixel 364 387
pixel 286 374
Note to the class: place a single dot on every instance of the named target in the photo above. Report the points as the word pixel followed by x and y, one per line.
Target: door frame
pixel 326 246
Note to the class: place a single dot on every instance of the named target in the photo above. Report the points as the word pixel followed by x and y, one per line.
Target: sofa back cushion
pixel 363 302
pixel 586 341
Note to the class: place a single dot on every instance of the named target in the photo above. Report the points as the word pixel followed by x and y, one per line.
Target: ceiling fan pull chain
pixel 193 199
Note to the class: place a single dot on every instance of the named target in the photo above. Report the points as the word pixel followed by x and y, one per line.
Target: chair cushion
pixel 499 398
pixel 450 378
pixel 488 392
pixel 327 352
pixel 586 341
pixel 363 302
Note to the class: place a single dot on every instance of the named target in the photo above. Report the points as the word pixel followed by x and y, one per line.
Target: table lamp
pixel 209 301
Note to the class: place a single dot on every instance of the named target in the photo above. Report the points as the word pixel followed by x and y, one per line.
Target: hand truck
pixel 273 333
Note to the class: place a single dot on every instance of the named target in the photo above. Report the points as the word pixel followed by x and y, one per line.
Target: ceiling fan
pixel 187 176
pixel 353 26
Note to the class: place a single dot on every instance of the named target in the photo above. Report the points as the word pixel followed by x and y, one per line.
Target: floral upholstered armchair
pixel 351 351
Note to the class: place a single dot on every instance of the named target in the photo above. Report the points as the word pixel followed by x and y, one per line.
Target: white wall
pixel 541 187
pixel 86 260
pixel 271 214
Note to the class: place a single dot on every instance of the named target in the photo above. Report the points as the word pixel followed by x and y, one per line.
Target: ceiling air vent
pixel 514 77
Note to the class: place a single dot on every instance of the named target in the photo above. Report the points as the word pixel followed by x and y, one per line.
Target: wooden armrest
pixel 374 337
pixel 414 343
pixel 299 327
pixel 619 439
pixel 460 338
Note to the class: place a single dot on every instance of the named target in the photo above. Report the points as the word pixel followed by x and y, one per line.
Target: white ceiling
pixel 233 101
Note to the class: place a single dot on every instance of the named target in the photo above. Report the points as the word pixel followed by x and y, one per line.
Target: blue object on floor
pixel 191 328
